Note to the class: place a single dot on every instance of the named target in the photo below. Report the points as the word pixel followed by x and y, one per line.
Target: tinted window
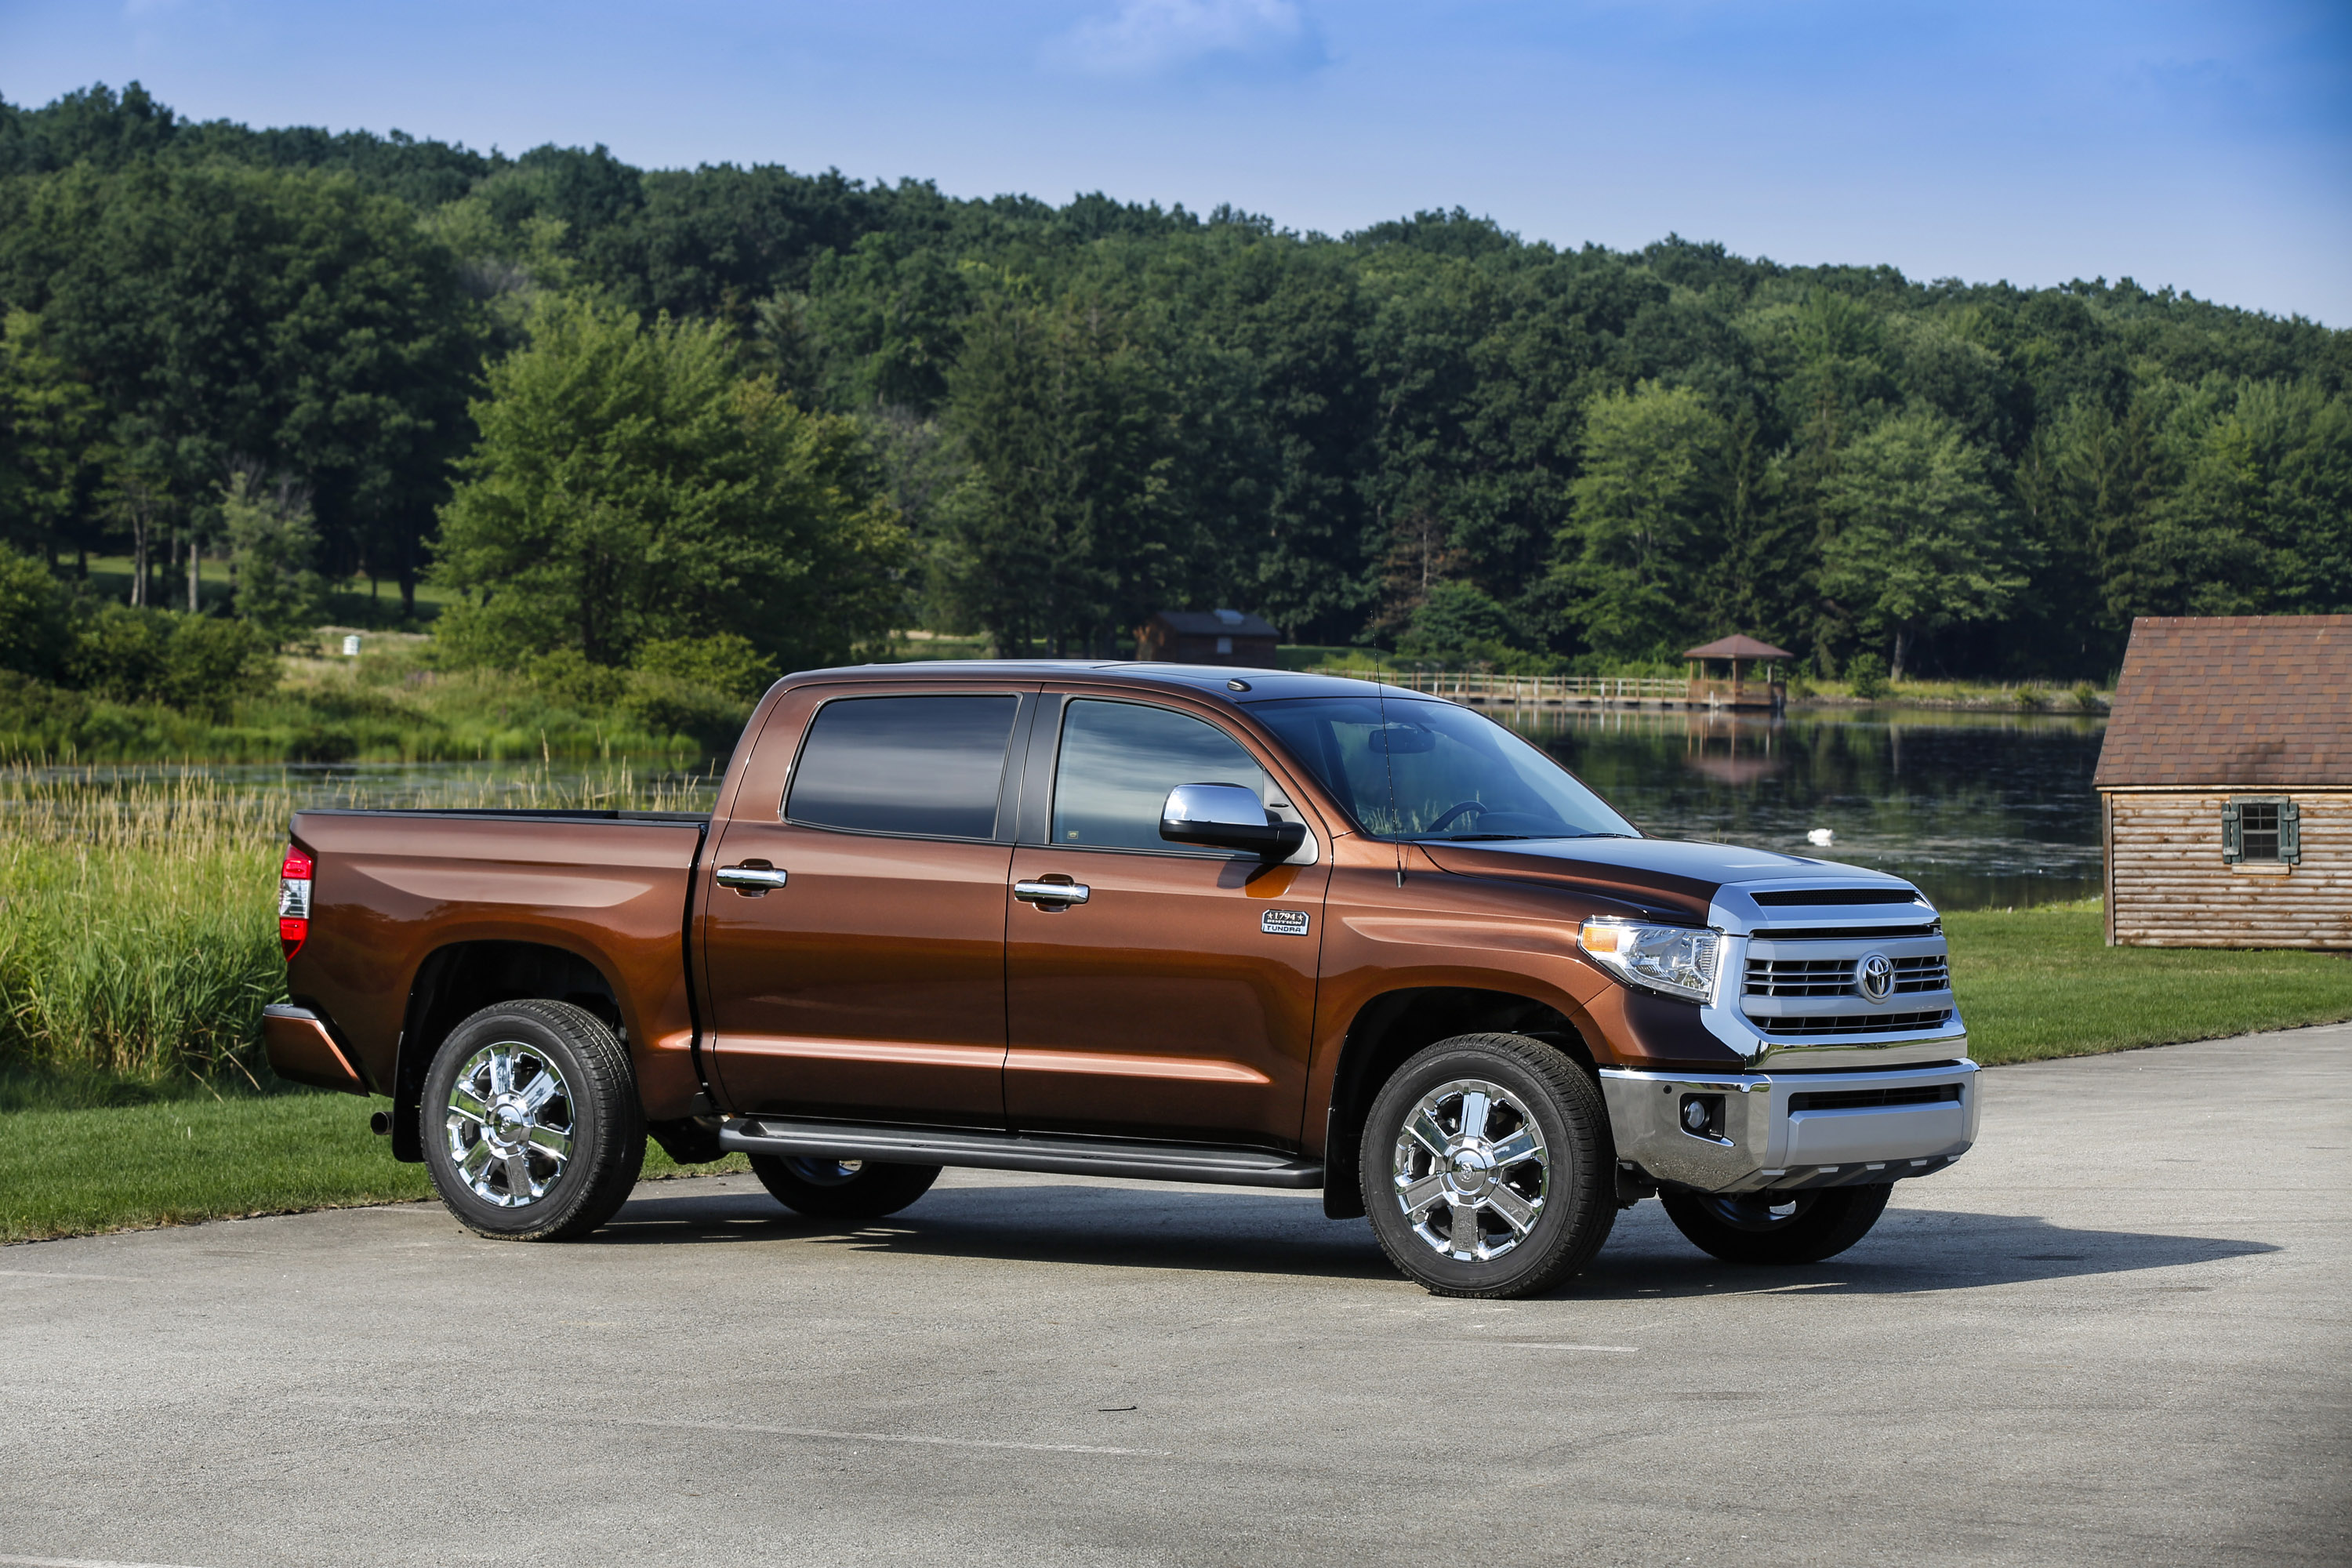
pixel 1408 768
pixel 928 766
pixel 1119 762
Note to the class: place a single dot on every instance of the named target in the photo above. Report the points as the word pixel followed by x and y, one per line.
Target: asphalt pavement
pixel 2119 1331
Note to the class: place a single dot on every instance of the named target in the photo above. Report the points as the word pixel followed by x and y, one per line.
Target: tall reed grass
pixel 138 916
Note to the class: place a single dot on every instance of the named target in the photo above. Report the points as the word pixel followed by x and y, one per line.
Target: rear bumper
pixel 1759 1135
pixel 302 1051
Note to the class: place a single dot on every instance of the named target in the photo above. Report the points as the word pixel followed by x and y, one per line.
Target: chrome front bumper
pixel 1841 1133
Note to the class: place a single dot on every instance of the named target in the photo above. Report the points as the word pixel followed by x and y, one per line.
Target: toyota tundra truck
pixel 1188 924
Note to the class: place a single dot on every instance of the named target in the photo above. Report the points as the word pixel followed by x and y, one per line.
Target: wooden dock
pixel 1658 692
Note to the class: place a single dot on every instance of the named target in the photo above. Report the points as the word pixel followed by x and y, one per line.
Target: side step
pixel 1022 1152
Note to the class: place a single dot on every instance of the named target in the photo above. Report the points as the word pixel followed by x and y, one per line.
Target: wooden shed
pixel 1207 637
pixel 2225 783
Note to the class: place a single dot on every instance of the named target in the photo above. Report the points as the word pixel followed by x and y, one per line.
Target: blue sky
pixel 2205 146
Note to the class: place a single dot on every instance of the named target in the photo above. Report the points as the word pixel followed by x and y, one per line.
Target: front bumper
pixel 1792 1129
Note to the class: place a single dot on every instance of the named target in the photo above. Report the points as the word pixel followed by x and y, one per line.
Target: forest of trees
pixel 621 409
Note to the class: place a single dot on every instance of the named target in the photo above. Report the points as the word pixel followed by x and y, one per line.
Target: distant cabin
pixel 1207 637
pixel 2225 783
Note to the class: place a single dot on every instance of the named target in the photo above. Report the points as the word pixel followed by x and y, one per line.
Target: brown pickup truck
pixel 1141 921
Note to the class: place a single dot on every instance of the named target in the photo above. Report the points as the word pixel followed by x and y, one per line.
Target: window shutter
pixel 2290 833
pixel 2231 852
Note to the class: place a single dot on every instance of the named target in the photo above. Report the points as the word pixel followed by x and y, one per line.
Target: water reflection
pixel 1977 808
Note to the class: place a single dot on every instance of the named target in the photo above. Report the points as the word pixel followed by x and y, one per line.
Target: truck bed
pixel 408 906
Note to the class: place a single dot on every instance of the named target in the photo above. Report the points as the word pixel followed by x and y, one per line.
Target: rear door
pixel 870 985
pixel 1178 999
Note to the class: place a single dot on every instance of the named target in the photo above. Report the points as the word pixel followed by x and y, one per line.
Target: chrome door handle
pixel 751 879
pixel 1050 892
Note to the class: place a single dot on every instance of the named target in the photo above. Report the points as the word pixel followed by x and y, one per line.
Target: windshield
pixel 1431 770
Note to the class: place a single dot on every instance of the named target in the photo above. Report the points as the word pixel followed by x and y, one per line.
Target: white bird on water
pixel 1820 837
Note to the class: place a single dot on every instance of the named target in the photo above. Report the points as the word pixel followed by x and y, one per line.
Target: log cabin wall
pixel 2169 885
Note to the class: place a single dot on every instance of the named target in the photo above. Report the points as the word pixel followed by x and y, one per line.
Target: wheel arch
pixel 1385 1033
pixel 460 979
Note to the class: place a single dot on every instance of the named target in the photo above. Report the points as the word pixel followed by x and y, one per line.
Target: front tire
pixel 1487 1167
pixel 847 1191
pixel 530 1122
pixel 1776 1228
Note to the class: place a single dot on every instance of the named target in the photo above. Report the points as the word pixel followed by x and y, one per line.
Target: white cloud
pixel 1148 36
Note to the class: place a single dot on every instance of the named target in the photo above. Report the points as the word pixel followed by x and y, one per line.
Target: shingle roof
pixel 1738 645
pixel 1217 624
pixel 2232 700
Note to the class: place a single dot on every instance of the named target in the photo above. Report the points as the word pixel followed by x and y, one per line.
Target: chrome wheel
pixel 509 1124
pixel 1471 1171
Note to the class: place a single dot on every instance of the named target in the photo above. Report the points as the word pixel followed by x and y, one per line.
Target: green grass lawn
pixel 70 1173
pixel 2042 982
pixel 2033 983
pixel 358 603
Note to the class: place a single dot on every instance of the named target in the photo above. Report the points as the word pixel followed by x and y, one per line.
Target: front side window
pixel 928 766
pixel 1419 769
pixel 1119 760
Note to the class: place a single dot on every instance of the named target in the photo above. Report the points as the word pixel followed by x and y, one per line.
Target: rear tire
pixel 530 1121
pixel 1740 1228
pixel 1487 1167
pixel 841 1189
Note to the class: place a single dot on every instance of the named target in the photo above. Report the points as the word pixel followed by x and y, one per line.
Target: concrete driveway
pixel 2118 1331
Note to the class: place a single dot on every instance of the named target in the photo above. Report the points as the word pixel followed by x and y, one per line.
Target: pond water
pixel 1982 810
pixel 1979 809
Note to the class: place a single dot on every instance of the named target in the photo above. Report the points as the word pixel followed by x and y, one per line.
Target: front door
pixel 870 985
pixel 1178 999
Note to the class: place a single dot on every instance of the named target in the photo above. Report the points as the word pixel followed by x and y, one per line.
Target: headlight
pixel 1676 960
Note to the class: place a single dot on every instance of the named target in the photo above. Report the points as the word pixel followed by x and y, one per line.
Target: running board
pixel 1020 1151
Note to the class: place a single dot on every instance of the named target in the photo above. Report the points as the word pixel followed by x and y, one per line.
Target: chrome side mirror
pixel 1227 816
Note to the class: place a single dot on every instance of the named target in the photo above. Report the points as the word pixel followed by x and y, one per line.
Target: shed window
pixel 2262 829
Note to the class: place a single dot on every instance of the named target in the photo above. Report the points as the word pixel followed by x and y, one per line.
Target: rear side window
pixel 1119 762
pixel 931 766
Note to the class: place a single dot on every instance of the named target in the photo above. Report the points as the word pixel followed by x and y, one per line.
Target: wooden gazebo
pixel 1740 690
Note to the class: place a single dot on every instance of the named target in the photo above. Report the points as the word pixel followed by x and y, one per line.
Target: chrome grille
pixel 1799 976
pixel 1932 973
pixel 1855 1023
pixel 1835 976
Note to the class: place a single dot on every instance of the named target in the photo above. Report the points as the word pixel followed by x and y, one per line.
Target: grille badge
pixel 1873 976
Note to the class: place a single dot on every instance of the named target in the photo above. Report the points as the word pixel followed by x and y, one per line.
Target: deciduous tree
pixel 1917 535
pixel 632 487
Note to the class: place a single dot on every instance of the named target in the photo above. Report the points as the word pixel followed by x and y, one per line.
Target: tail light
pixel 294 899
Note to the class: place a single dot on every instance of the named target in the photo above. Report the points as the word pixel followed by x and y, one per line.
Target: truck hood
pixel 1683 875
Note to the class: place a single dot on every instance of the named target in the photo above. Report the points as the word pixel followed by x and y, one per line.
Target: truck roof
pixel 1201 680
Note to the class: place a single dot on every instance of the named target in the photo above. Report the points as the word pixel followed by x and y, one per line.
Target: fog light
pixel 1702 1116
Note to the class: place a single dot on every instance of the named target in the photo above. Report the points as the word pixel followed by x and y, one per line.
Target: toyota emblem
pixel 1875 977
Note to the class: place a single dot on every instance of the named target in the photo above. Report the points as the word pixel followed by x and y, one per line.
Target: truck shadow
pixel 1909 1252
pixel 1089 1224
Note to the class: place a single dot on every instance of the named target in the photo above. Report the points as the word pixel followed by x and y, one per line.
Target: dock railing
pixel 1481 690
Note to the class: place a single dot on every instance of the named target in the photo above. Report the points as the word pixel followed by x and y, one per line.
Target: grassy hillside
pixel 395 703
